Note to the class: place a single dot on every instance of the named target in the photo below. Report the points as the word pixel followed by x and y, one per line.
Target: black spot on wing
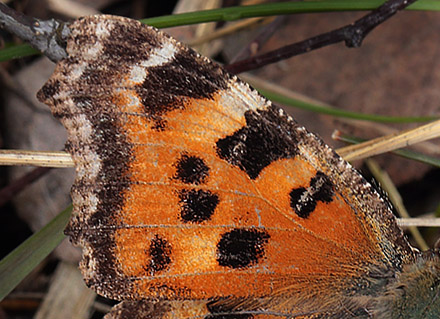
pixel 160 255
pixel 302 204
pixel 191 170
pixel 304 200
pixel 240 248
pixel 186 75
pixel 265 138
pixel 323 186
pixel 200 77
pixel 197 205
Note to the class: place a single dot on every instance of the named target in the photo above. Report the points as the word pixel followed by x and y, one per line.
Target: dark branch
pixel 46 36
pixel 262 37
pixel 50 36
pixel 352 35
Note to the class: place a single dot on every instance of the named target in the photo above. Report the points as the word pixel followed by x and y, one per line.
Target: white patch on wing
pixel 137 74
pixel 158 56
pixel 88 163
pixel 161 55
pixel 103 29
pixel 92 264
pixel 239 98
pixel 77 71
pixel 93 52
pixel 247 96
pixel 80 126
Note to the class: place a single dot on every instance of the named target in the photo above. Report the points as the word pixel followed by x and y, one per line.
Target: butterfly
pixel 195 197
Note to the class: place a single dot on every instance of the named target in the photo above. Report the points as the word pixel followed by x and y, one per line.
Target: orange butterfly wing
pixel 192 186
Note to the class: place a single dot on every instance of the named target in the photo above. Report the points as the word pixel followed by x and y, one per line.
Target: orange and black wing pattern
pixel 196 197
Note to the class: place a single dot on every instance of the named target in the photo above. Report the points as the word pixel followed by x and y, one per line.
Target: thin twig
pixel 47 36
pixel 352 35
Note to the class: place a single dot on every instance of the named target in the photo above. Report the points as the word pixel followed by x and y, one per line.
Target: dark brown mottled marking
pixel 82 38
pixel 50 89
pixel 115 153
pixel 304 200
pixel 160 252
pixel 197 205
pixel 127 43
pixel 226 309
pixel 191 170
pixel 241 248
pixel 265 138
pixel 98 77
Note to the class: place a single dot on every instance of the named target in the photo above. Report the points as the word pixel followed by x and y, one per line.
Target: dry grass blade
pixel 391 142
pixel 68 296
pixel 35 158
pixel 419 222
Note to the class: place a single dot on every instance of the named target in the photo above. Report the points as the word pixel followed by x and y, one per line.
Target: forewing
pixel 190 185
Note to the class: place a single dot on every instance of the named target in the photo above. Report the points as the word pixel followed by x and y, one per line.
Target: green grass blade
pixel 23 259
pixel 272 9
pixel 422 158
pixel 17 51
pixel 275 97
pixel 261 10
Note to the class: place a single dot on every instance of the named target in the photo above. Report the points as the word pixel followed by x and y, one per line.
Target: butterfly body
pixel 415 292
pixel 196 197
